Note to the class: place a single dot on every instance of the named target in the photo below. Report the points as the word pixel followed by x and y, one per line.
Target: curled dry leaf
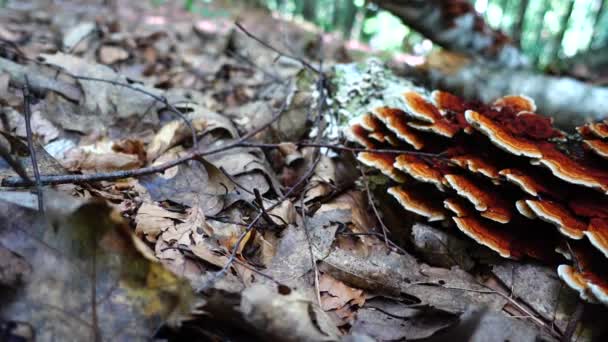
pixel 105 155
pixel 109 54
pixel 340 298
pixel 175 132
pixel 283 214
pixel 77 37
pixel 250 169
pixel 323 179
pixel 42 128
pixel 197 183
pixel 290 153
pixel 151 220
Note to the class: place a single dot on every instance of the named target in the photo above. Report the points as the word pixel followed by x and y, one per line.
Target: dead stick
pixel 109 176
pixel 30 142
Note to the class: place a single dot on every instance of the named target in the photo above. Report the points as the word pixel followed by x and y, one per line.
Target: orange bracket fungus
pixel 502 174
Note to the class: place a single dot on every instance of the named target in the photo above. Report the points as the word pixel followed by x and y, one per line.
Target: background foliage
pixel 551 32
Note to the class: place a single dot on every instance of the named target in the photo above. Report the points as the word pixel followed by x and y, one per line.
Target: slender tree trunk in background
pixel 559 38
pixel 539 35
pixel 357 25
pixel 348 13
pixel 309 10
pixel 519 23
pixel 299 8
pixel 503 4
pixel 596 21
pixel 336 15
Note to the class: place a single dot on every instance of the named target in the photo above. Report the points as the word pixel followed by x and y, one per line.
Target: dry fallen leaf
pixel 197 183
pixel 151 220
pixel 340 298
pixel 109 54
pixel 42 128
pixel 81 250
pixel 102 156
pixel 174 132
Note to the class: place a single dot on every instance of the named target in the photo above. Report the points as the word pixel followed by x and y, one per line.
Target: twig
pixel 251 226
pixel 260 202
pixel 370 200
pixel 30 142
pixel 270 47
pixel 309 242
pixel 249 62
pixel 109 176
pixel 511 300
pixel 351 149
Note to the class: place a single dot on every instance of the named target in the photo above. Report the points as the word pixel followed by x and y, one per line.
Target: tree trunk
pixel 566 99
pixel 539 33
pixel 455 25
pixel 348 13
pixel 557 42
pixel 309 10
pixel 519 24
pixel 596 21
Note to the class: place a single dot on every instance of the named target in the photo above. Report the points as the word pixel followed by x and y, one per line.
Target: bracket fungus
pixel 500 173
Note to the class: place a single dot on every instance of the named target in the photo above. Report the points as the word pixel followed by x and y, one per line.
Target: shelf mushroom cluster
pixel 502 174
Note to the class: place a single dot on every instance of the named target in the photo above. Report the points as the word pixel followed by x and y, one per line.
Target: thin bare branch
pixel 281 53
pixel 30 142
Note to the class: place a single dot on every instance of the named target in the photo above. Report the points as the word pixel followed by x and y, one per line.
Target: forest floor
pixel 170 175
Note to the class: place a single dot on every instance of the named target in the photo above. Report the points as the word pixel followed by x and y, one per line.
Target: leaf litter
pixel 252 234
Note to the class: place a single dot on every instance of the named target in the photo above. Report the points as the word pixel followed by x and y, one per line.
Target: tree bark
pixel 519 24
pixel 569 101
pixel 456 26
pixel 557 43
pixel 309 10
pixel 596 21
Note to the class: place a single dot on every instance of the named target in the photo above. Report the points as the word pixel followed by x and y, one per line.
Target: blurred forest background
pixel 204 128
pixel 552 33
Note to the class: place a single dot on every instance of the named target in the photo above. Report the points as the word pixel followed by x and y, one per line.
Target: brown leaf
pixel 174 132
pixel 339 294
pixel 151 220
pixel 42 128
pixel 101 156
pixel 90 252
pixel 109 54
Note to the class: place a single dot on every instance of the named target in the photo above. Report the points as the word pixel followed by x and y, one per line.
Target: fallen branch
pixel 115 175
